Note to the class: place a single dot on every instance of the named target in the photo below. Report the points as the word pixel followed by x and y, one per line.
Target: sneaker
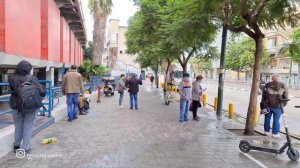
pixel 196 119
pixel 267 134
pixel 131 108
pixel 83 113
pixel 121 107
pixel 70 120
pixel 75 118
pixel 16 148
pixel 277 136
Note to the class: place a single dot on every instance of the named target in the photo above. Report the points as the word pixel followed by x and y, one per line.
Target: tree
pixel 293 50
pixel 88 52
pixel 240 55
pixel 248 17
pixel 100 9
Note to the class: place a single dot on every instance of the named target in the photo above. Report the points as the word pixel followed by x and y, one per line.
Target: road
pixel 239 95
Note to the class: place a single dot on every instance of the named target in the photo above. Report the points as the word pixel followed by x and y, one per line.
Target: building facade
pixel 274 41
pixel 117 59
pixel 48 33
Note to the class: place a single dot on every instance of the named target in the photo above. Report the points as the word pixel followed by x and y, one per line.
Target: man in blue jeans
pixel 273 92
pixel 133 89
pixel 185 88
pixel 72 86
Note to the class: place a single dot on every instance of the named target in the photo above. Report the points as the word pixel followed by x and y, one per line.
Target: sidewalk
pixel 150 137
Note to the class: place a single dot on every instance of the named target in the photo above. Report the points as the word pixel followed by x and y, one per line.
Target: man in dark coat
pixel 133 89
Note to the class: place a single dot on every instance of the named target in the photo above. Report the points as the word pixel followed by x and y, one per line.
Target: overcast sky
pixel 122 10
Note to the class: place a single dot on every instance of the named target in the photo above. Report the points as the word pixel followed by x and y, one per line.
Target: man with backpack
pixel 72 86
pixel 25 100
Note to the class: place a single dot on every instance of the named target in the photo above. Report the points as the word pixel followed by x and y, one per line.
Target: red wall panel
pixel 2 25
pixel 23 27
pixel 64 42
pixel 72 45
pixel 53 31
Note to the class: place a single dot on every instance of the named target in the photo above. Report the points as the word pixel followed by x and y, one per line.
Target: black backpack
pixel 29 99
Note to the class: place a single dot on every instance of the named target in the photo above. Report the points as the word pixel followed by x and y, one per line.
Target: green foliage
pixel 103 6
pixel 88 52
pixel 240 54
pixel 88 69
pixel 292 49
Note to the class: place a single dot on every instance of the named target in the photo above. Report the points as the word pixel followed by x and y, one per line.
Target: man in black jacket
pixel 133 89
pixel 23 121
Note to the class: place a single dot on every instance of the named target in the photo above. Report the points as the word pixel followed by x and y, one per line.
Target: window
pixel 272 42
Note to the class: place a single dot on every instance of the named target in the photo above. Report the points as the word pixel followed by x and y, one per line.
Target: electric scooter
pixel 292 153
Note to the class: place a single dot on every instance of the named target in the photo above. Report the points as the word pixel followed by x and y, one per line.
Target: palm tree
pixel 100 10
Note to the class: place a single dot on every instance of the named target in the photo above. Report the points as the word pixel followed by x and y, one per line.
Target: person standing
pixel 273 92
pixel 133 85
pixel 72 86
pixel 23 118
pixel 197 93
pixel 185 87
pixel 120 88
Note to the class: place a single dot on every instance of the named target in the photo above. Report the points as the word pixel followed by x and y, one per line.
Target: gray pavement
pixel 151 137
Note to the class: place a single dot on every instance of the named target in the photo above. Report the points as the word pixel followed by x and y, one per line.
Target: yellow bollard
pixel 231 110
pixel 204 100
pixel 256 116
pixel 216 104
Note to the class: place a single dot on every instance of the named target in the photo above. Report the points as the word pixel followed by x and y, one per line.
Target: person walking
pixel 185 88
pixel 133 89
pixel 120 88
pixel 197 93
pixel 72 86
pixel 24 118
pixel 273 92
pixel 152 79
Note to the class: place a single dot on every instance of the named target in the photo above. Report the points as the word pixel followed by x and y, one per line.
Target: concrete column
pixel 50 75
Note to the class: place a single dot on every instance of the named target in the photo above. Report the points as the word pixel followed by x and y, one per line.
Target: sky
pixel 122 10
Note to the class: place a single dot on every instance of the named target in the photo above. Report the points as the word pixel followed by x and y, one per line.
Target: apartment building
pixel 116 58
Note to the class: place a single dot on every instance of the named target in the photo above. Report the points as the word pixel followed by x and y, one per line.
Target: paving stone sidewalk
pixel 151 137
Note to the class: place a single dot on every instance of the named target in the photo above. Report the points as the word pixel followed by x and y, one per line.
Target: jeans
pixel 276 112
pixel 196 105
pixel 121 98
pixel 72 102
pixel 184 110
pixel 24 123
pixel 133 98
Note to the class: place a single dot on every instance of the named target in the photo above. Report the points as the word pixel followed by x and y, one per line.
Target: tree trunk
pixel 156 76
pixel 184 66
pixel 249 129
pixel 166 76
pixel 298 74
pixel 98 37
pixel 238 75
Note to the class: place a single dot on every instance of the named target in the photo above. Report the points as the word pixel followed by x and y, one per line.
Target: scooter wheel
pixel 244 146
pixel 293 156
pixel 167 102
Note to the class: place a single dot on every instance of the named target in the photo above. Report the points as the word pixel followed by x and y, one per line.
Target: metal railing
pixel 48 101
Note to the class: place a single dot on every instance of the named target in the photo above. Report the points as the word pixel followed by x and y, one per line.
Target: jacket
pixel 273 92
pixel 133 85
pixel 72 83
pixel 185 88
pixel 121 86
pixel 15 81
pixel 196 91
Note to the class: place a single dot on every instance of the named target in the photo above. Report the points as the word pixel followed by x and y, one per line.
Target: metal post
pixel 221 73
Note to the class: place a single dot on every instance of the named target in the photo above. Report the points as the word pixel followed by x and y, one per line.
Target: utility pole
pixel 222 61
pixel 222 72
